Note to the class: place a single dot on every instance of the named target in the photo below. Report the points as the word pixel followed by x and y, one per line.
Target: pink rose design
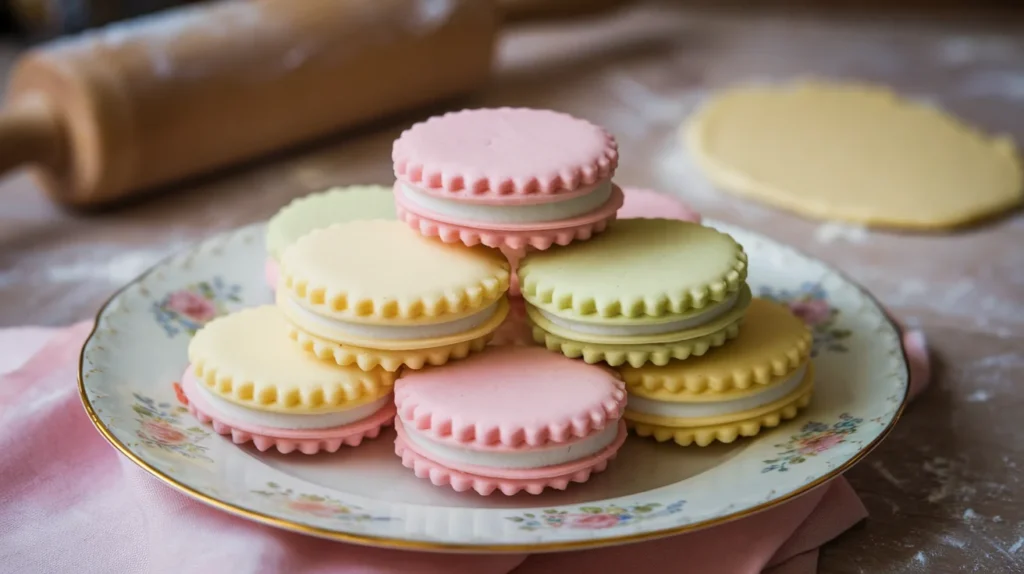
pixel 163 433
pixel 191 305
pixel 820 444
pixel 594 521
pixel 813 312
pixel 312 507
pixel 179 393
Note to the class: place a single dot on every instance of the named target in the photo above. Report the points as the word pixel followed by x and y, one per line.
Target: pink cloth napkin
pixel 70 503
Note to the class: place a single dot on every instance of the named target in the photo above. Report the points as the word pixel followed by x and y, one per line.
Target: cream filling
pixel 718 408
pixel 696 320
pixel 394 332
pixel 290 421
pixel 539 458
pixel 538 213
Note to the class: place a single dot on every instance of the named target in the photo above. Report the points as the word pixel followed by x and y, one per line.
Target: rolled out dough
pixel 853 152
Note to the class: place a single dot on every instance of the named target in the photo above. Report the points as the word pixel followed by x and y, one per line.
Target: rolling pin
pixel 140 104
pixel 145 102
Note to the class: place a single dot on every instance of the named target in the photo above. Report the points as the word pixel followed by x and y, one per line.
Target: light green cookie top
pixel 318 210
pixel 637 268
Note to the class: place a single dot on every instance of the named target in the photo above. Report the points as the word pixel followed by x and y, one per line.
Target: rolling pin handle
pixel 30 133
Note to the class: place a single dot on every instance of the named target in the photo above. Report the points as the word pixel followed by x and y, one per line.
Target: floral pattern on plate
pixel 810 302
pixel 595 517
pixel 813 439
pixel 315 505
pixel 190 308
pixel 162 428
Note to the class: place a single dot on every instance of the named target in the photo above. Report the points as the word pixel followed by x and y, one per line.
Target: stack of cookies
pixel 659 311
pixel 759 378
pixel 666 301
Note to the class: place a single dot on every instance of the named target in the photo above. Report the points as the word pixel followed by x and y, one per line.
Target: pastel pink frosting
pixel 510 398
pixel 649 204
pixel 603 213
pixel 486 480
pixel 513 237
pixel 504 155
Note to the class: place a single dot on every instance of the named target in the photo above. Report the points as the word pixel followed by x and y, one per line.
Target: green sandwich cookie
pixel 645 291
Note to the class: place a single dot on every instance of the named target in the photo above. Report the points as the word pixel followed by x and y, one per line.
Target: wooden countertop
pixel 944 491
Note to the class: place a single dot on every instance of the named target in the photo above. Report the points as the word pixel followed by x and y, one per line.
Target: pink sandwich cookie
pixel 251 382
pixel 507 178
pixel 509 419
pixel 649 204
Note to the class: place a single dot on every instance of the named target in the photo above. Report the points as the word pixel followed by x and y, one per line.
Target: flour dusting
pixel 920 558
pixel 428 15
pixel 676 169
pixel 970 514
pixel 156 35
pixel 114 268
pixel 960 50
pixel 831 231
pixel 651 107
pixel 954 542
pixel 941 469
pixel 979 396
pixel 994 84
pixel 1016 546
pixel 988 373
pixel 888 476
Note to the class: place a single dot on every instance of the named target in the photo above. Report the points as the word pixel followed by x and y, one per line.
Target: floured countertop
pixel 944 490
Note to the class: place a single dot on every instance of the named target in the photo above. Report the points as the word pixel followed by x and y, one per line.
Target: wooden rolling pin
pixel 146 102
pixel 143 103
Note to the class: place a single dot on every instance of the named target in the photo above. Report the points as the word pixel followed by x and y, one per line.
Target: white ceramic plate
pixel 138 350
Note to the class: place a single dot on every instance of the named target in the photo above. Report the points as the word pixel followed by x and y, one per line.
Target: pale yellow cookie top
pixel 248 358
pixel 636 268
pixel 772 344
pixel 853 152
pixel 384 272
pixel 317 210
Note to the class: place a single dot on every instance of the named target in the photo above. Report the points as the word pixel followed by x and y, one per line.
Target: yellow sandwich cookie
pixel 319 210
pixel 647 290
pixel 368 288
pixel 247 359
pixel 705 432
pixel 772 344
pixel 687 420
pixel 390 360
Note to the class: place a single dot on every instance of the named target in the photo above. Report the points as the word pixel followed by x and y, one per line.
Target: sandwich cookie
pixel 645 291
pixel 375 293
pixel 250 382
pixel 506 178
pixel 760 378
pixel 509 419
pixel 317 210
